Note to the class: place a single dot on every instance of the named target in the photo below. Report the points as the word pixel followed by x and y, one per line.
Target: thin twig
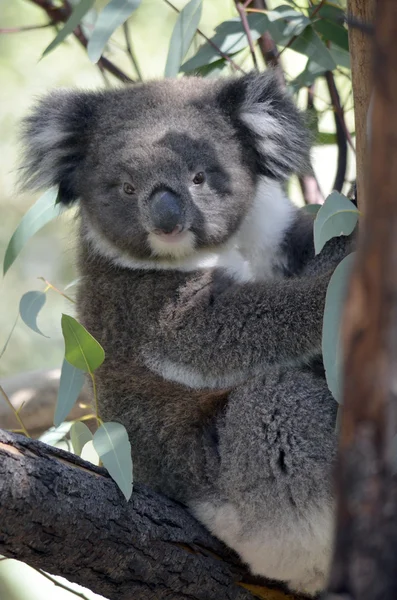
pixel 211 43
pixel 341 129
pixel 130 51
pixel 61 585
pixel 16 414
pixel 244 22
pixel 49 285
pixel 27 28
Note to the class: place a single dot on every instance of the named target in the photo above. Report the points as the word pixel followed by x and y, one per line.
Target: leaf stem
pixel 18 418
pixel 52 287
pixel 94 391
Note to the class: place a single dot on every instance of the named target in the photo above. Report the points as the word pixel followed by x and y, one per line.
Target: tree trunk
pixel 66 516
pixel 361 58
pixel 365 563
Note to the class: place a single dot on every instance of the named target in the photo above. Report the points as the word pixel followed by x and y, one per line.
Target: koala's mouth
pixel 176 244
pixel 172 237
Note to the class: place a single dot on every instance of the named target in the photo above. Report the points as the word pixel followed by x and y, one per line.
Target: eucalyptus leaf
pixel 182 36
pixel 333 32
pixel 331 342
pixel 295 22
pixel 312 209
pixel 81 348
pixel 310 44
pixel 309 74
pixel 79 435
pixel 340 56
pixel 89 453
pixel 337 216
pixel 55 435
pixel 30 305
pixel 114 449
pixel 78 12
pixel 41 213
pixel 230 38
pixel 115 13
pixel 70 384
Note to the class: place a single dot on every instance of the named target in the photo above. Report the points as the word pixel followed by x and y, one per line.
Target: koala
pixel 199 279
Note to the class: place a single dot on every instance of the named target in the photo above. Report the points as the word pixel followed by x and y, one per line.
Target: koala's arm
pixel 215 332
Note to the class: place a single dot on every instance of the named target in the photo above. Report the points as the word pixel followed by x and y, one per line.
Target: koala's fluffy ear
pixel 266 118
pixel 54 139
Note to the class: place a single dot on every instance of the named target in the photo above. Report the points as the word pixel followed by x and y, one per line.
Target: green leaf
pixel 55 435
pixel 332 32
pixel 311 45
pixel 182 36
pixel 113 446
pixel 340 56
pixel 70 384
pixel 30 305
pixel 294 21
pixel 337 216
pixel 80 435
pixel 312 209
pixel 115 13
pixel 324 139
pixel 230 38
pixel 81 348
pixel 89 453
pixel 78 13
pixel 331 343
pixel 42 211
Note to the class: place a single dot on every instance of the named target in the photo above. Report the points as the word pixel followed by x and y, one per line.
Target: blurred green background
pixel 50 254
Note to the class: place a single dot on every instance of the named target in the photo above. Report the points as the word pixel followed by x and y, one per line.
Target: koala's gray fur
pixel 209 335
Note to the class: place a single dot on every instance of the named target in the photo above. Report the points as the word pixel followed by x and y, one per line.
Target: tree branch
pixel 341 132
pixel 366 542
pixel 67 517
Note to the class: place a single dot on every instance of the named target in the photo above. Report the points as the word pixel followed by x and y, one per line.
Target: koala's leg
pixel 274 503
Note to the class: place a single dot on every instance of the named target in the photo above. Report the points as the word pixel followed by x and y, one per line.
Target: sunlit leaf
pixel 81 348
pixel 79 435
pixel 70 384
pixel 337 216
pixel 71 24
pixel 89 453
pixel 42 211
pixel 30 305
pixel 331 342
pixel 113 446
pixel 182 36
pixel 115 13
pixel 55 435
pixel 294 21
pixel 310 44
pixel 230 38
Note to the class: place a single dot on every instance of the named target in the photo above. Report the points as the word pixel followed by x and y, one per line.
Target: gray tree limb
pixel 66 516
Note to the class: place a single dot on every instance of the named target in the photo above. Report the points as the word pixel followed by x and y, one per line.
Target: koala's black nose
pixel 166 211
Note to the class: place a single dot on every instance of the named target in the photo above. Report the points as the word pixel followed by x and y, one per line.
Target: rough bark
pixel 361 58
pixel 365 564
pixel 36 392
pixel 66 516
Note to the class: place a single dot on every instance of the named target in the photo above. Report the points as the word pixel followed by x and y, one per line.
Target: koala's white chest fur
pixel 296 550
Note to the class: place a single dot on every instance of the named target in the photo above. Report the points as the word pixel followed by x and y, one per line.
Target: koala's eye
pixel 199 178
pixel 128 188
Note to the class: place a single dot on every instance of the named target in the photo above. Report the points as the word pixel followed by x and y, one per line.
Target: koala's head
pixel 164 169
